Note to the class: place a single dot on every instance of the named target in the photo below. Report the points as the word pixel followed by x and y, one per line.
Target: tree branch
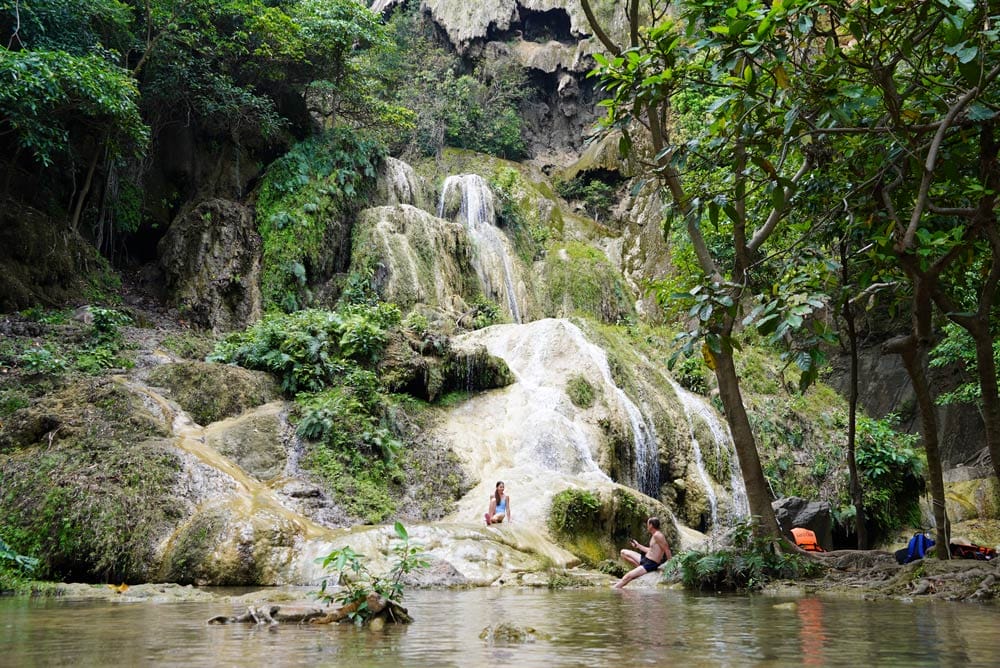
pixel 598 30
pixel 765 231
pixel 932 155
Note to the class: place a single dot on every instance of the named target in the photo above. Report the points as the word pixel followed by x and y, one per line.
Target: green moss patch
pixel 212 392
pixel 580 392
pixel 594 526
pixel 580 280
pixel 86 483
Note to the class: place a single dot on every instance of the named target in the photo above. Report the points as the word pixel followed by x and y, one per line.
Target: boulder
pixel 793 511
pixel 211 259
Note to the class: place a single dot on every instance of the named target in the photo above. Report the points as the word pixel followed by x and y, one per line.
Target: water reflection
pixel 643 626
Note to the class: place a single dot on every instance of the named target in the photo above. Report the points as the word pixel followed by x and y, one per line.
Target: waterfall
pixel 696 406
pixel 492 258
pixel 647 452
pixel 400 183
pixel 699 460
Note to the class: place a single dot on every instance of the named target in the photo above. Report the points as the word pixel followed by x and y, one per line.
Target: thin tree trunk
pixel 986 367
pixel 857 495
pixel 78 208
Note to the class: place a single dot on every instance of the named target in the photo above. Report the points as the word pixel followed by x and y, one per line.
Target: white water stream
pixel 646 448
pixel 530 434
pixel 492 259
pixel 695 407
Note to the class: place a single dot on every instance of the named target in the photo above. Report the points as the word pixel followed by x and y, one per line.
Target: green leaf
pixel 980 112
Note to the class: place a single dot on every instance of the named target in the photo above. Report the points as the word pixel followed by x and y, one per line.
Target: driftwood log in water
pixel 272 614
pixel 378 607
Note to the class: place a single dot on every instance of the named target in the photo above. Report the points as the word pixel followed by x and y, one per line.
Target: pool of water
pixel 592 627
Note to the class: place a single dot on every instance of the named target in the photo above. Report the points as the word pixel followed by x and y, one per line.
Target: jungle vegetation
pixel 859 132
pixel 850 162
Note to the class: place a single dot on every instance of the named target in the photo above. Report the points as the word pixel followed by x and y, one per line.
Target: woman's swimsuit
pixel 502 507
pixel 648 564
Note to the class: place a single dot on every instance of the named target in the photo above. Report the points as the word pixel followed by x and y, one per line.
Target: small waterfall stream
pixel 401 185
pixel 696 407
pixel 478 214
pixel 647 452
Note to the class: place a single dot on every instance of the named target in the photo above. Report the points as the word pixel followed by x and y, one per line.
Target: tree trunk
pixel 78 209
pixel 857 496
pixel 914 358
pixel 986 367
pixel 758 494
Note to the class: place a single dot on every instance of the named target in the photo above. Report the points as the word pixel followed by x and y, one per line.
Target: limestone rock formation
pixel 425 260
pixel 211 258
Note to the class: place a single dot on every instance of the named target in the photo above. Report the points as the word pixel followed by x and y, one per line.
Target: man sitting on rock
pixel 651 557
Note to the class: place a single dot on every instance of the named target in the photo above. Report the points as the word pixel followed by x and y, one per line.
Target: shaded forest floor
pixel 873 575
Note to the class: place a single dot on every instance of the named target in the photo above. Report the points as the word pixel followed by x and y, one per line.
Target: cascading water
pixel 696 407
pixel 699 460
pixel 492 259
pixel 287 546
pixel 401 183
pixel 647 452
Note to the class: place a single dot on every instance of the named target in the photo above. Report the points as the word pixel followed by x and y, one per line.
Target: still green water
pixel 593 627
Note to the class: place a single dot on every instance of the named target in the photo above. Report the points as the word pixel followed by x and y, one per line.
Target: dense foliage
pixel 91 89
pixel 866 125
pixel 324 359
pixel 308 196
pixel 746 564
pixel 476 110
pixel 14 568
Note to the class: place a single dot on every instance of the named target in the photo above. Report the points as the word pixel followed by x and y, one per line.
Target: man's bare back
pixel 646 559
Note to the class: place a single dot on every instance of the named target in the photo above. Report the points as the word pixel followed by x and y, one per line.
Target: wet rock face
pixel 550 39
pixel 211 392
pixel 211 259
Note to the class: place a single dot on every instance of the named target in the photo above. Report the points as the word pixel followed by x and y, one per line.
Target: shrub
pixel 485 312
pixel 303 194
pixel 42 360
pixel 358 582
pixel 892 471
pixel 14 568
pixel 747 565
pixel 309 350
pixel 691 374
pixel 580 392
pixel 573 512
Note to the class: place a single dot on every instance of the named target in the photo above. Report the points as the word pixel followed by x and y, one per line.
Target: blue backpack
pixel 917 548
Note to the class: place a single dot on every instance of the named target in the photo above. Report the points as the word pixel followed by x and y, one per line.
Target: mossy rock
pixel 212 392
pixel 255 441
pixel 218 547
pixel 476 369
pixel 577 279
pixel 977 498
pixel 595 525
pixel 86 484
pixel 43 262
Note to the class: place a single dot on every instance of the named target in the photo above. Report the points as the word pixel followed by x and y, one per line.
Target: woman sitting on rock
pixel 499 506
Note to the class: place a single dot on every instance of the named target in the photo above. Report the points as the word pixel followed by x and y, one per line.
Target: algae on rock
pixel 209 392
